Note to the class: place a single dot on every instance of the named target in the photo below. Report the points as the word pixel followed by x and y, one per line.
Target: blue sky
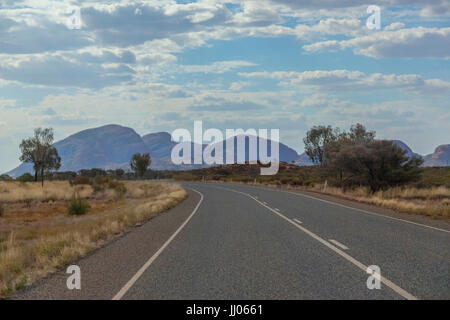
pixel 158 65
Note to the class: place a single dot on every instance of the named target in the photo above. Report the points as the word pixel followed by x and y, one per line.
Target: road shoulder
pixel 105 270
pixel 414 218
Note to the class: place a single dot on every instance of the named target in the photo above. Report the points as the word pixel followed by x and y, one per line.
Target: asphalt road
pixel 242 242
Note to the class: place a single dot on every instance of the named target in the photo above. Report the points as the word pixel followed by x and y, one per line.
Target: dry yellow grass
pixel 433 202
pixel 27 255
pixel 29 191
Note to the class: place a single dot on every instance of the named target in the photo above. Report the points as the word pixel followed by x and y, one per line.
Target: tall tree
pixel 39 151
pixel 139 163
pixel 315 141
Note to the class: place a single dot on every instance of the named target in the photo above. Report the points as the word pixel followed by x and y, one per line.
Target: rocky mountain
pixel 286 154
pixel 404 146
pixel 304 160
pixel 112 146
pixel 107 147
pixel 440 157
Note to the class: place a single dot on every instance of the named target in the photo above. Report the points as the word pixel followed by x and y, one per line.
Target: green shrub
pixel 78 206
pixel 26 177
pixel 5 177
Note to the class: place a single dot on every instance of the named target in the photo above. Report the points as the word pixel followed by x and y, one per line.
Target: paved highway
pixel 241 242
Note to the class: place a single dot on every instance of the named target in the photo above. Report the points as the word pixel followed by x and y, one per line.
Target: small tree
pixel 139 163
pixel 332 156
pixel 315 141
pixel 39 151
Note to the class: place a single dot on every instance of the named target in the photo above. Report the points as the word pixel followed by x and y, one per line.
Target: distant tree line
pixel 357 158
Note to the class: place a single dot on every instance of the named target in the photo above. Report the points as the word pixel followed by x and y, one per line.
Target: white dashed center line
pixel 337 243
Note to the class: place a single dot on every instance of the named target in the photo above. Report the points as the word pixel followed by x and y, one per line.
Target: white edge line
pixel 356 209
pixel 138 274
pixel 337 243
pixel 298 221
pixel 405 294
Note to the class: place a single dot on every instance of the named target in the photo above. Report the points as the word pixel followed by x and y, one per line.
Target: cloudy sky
pixel 158 65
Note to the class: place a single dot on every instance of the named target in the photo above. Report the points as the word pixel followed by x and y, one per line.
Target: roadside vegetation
pixel 45 228
pixel 352 165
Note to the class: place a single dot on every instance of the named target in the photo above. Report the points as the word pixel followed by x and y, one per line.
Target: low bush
pixel 26 177
pixel 2 209
pixel 78 206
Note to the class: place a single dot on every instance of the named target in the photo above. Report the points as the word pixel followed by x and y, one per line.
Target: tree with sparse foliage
pixel 39 151
pixel 357 134
pixel 378 164
pixel 140 163
pixel 360 159
pixel 315 141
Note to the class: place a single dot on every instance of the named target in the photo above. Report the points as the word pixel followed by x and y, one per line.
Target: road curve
pixel 241 242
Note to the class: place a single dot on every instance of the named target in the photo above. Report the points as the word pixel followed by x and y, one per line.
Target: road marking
pixel 338 244
pixel 264 202
pixel 277 209
pixel 138 274
pixel 402 292
pixel 296 220
pixel 353 208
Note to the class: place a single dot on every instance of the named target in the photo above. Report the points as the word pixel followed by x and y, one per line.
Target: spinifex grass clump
pixel 78 206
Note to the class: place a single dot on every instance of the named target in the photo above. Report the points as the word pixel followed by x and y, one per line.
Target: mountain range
pixel 112 146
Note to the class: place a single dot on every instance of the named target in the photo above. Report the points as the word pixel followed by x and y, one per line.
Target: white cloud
pixel 394 26
pixel 404 43
pixel 216 67
pixel 332 80
pixel 331 26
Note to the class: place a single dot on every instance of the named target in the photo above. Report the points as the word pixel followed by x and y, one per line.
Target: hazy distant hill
pixel 440 157
pixel 286 154
pixel 404 146
pixel 303 160
pixel 106 147
pixel 161 144
pixel 111 147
